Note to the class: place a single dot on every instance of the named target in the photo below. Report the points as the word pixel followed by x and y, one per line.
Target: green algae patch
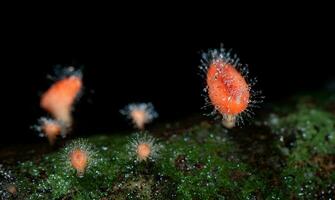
pixel 306 138
pixel 200 163
pixel 288 153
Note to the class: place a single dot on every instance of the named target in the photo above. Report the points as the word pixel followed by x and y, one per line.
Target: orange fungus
pixel 144 147
pixel 227 89
pixel 139 118
pixel 143 151
pixel 12 189
pixel 51 129
pixel 58 99
pixel 140 113
pixel 79 159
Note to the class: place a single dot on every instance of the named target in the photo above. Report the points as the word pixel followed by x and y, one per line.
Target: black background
pixel 135 56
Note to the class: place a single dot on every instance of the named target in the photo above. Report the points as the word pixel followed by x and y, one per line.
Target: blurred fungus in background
pixel 8 188
pixel 58 100
pixel 50 128
pixel 140 114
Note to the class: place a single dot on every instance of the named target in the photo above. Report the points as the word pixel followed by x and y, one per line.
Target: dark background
pixel 151 58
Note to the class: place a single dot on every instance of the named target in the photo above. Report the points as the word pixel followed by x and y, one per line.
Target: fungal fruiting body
pixel 78 159
pixel 50 128
pixel 80 156
pixel 8 188
pixel 143 151
pixel 140 114
pixel 228 90
pixel 144 147
pixel 227 87
pixel 12 189
pixel 59 98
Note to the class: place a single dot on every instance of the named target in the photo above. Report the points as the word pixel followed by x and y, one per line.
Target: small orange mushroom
pixel 79 160
pixel 139 118
pixel 143 151
pixel 81 156
pixel 144 147
pixel 140 114
pixel 51 129
pixel 11 188
pixel 8 187
pixel 228 87
pixel 59 98
pixel 227 90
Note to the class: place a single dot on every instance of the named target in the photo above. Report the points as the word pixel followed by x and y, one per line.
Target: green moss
pixel 197 164
pixel 289 154
pixel 306 138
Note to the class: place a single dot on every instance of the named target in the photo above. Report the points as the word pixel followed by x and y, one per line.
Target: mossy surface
pixel 288 153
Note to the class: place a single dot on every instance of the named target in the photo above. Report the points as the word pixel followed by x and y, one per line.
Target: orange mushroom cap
pixel 79 159
pixel 51 130
pixel 59 98
pixel 140 117
pixel 227 88
pixel 143 151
